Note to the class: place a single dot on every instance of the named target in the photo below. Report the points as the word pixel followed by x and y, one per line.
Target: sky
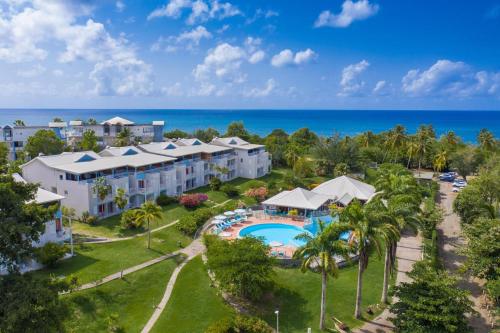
pixel 297 54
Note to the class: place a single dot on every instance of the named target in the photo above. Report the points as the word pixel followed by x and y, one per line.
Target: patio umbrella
pixel 240 211
pixel 230 213
pixel 215 222
pixel 220 217
pixel 275 244
pixel 225 234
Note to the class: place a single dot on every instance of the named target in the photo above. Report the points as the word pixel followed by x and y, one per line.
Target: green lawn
pixel 194 304
pixel 131 300
pixel 298 297
pixel 95 261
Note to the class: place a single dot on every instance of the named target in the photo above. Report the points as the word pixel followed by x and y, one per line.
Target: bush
pixel 193 200
pixel 88 219
pixel 129 220
pixel 190 223
pixel 215 184
pixel 259 193
pixel 165 200
pixel 240 323
pixel 50 253
pixel 230 190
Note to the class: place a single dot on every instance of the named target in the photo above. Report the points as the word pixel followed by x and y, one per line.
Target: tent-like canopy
pixel 339 187
pixel 298 198
pixel 117 121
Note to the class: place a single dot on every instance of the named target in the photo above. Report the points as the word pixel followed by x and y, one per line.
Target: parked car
pixel 459 183
pixel 447 177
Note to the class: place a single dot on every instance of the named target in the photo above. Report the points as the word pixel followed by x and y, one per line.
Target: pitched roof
pixel 298 198
pixel 235 142
pixel 177 150
pixel 42 196
pixel 117 120
pixel 337 188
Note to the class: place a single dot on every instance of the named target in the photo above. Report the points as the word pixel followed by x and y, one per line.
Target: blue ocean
pixel 466 124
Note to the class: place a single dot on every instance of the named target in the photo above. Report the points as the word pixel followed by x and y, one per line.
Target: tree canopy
pixel 45 142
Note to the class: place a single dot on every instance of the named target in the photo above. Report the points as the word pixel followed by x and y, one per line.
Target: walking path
pixel 449 241
pixel 408 252
pixel 191 251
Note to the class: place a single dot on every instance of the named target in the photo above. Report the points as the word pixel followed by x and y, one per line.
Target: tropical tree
pixel 423 144
pixel 370 229
pixel 120 199
pixel 452 139
pixel 318 254
pixel 303 167
pixel 89 141
pixel 101 188
pixel 19 123
pixel 92 121
pixel 440 160
pixel 57 120
pixel 206 135
pixel 4 157
pixel 304 138
pixel 237 128
pixel 465 161
pixel 149 212
pixel 411 150
pixel 123 138
pixel 293 153
pixel 486 140
pixel 397 140
pixel 44 142
pixel 367 139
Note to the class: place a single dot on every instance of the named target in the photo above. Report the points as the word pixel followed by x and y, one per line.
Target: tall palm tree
pixel 123 138
pixel 319 254
pixel 423 144
pixel 370 230
pixel 440 160
pixel 149 212
pixel 367 139
pixel 411 150
pixel 19 123
pixel 398 140
pixel 486 139
pixel 452 139
pixel 292 153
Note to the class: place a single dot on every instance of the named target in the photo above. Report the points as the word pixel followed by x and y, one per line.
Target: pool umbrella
pixel 220 217
pixel 275 244
pixel 230 213
pixel 240 211
pixel 216 221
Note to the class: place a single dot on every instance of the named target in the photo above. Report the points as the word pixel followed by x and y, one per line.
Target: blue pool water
pixel 274 232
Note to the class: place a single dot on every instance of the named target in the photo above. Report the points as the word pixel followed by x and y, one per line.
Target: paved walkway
pixel 449 241
pixel 191 251
pixel 408 252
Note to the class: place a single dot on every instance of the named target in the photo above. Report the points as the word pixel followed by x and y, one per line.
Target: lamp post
pixel 70 234
pixel 277 312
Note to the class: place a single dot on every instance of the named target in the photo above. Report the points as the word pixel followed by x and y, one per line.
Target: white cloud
pixel 382 88
pixel 57 72
pixel 351 11
pixel 451 79
pixel 260 13
pixel 34 24
pixel 257 57
pixel 350 83
pixel 31 72
pixel 120 6
pixel 262 92
pixel 187 39
pixel 200 10
pixel 288 58
pixel 173 90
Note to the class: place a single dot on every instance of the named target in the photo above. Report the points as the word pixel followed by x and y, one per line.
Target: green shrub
pixel 230 190
pixel 165 200
pixel 50 253
pixel 240 323
pixel 190 223
pixel 88 219
pixel 215 184
pixel 129 219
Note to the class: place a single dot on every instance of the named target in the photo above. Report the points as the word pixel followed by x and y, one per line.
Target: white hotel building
pixel 144 172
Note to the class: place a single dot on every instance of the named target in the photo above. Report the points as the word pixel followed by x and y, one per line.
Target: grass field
pixel 298 294
pixel 130 300
pixel 95 261
pixel 194 304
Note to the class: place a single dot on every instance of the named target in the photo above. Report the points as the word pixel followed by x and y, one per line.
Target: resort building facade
pixel 54 230
pixel 143 172
pixel 72 132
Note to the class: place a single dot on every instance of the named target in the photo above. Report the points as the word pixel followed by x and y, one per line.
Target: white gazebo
pixel 303 200
pixel 344 189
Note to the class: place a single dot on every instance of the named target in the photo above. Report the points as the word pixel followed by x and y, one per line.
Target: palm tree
pixel 319 254
pixel 412 148
pixel 367 139
pixel 19 123
pixel 423 143
pixel 451 139
pixel 370 229
pixel 149 212
pixel 123 138
pixel 440 160
pixel 486 139
pixel 292 153
pixel 398 138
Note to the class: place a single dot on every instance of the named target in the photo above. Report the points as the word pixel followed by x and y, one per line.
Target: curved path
pixel 194 249
pixel 408 252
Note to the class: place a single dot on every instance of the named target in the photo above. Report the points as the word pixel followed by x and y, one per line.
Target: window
pixel 140 183
pixel 60 177
pixel 65 192
pixel 101 208
pixel 241 160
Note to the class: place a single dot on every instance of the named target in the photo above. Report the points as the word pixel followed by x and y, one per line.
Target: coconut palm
pixel 123 138
pixel 319 253
pixel 486 139
pixel 370 230
pixel 19 123
pixel 411 150
pixel 423 140
pixel 367 139
pixel 149 212
pixel 398 139
pixel 451 139
pixel 293 153
pixel 440 160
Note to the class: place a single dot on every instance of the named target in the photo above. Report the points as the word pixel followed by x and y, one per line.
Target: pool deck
pixel 288 250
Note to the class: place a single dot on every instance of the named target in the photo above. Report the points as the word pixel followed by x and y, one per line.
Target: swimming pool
pixel 275 232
